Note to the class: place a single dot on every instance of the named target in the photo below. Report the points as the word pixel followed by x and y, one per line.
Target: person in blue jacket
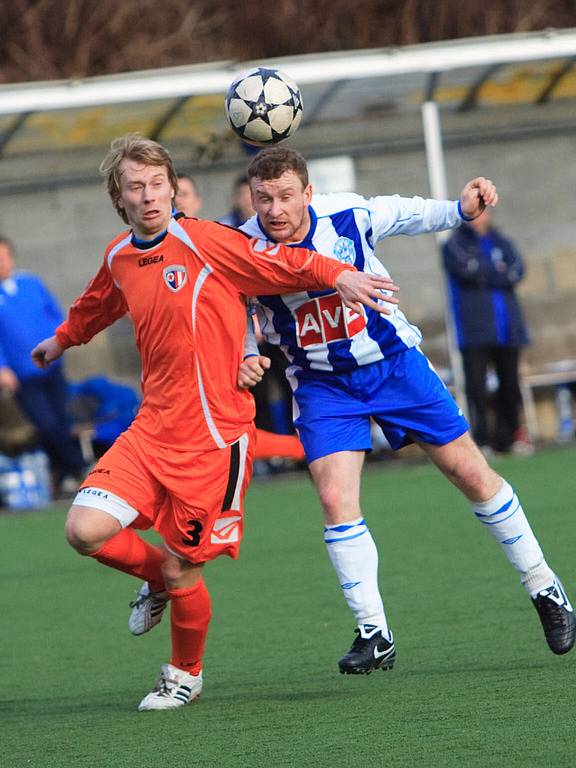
pixel 28 314
pixel 103 408
pixel 483 269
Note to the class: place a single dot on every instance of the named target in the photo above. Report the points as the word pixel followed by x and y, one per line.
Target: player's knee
pixel 85 532
pixel 332 500
pixel 80 537
pixel 475 478
pixel 172 572
pixel 178 574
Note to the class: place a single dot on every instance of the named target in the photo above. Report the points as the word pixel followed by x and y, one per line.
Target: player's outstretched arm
pixel 252 370
pixel 46 352
pixel 477 195
pixel 356 288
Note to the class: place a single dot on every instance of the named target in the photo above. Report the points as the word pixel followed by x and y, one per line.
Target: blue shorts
pixel 402 394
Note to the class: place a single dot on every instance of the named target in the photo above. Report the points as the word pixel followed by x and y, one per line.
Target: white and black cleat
pixel 557 617
pixel 174 688
pixel 370 650
pixel 147 610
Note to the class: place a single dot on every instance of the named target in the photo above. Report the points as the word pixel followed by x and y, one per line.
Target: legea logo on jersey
pixel 175 277
pixel 326 319
pixel 344 250
pixel 226 530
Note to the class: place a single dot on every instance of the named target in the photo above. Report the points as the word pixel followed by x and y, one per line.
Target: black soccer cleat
pixel 370 650
pixel 557 618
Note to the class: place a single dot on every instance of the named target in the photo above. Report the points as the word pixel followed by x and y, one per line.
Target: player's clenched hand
pixel 356 288
pixel 46 352
pixel 477 195
pixel 252 370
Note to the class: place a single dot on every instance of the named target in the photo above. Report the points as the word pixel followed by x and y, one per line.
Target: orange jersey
pixel 186 294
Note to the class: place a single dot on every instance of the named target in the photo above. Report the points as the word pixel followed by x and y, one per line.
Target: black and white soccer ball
pixel 264 106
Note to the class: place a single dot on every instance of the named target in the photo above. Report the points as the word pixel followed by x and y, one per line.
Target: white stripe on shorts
pixel 97 498
pixel 243 446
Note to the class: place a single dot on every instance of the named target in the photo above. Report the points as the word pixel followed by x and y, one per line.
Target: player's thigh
pixel 122 485
pixel 412 403
pixel 202 517
pixel 337 480
pixel 329 417
pixel 462 462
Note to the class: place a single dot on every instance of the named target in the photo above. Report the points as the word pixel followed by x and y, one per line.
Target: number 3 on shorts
pixel 193 533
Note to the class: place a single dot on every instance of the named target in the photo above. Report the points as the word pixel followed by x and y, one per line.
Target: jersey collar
pixel 307 241
pixel 144 245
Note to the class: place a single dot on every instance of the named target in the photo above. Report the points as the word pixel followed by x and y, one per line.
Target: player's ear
pixel 308 194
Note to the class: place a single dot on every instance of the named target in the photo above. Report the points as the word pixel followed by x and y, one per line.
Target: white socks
pixel 354 556
pixel 504 518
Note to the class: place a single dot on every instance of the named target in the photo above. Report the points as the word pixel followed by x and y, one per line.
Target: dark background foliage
pixel 50 39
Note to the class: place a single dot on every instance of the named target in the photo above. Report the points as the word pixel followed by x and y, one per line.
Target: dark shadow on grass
pixel 47 708
pixel 457 669
pixel 283 696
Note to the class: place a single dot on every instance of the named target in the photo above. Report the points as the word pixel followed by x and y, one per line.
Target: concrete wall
pixel 537 210
pixel 61 233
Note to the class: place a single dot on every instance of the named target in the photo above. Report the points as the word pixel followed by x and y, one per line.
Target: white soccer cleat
pixel 174 688
pixel 147 610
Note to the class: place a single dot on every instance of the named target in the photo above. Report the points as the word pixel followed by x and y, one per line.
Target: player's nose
pixel 148 192
pixel 275 207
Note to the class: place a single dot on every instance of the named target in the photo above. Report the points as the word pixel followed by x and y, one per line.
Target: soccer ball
pixel 264 106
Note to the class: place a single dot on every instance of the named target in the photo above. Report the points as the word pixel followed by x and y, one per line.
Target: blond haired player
pixel 185 462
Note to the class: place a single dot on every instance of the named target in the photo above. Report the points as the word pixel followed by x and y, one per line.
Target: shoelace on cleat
pixel 164 686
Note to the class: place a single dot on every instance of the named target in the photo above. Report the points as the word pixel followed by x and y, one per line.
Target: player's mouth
pixel 276 224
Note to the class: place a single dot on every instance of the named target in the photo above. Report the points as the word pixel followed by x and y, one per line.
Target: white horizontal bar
pixel 206 79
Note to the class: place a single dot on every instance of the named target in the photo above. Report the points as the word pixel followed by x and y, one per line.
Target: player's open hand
pixel 252 371
pixel 46 352
pixel 374 291
pixel 477 195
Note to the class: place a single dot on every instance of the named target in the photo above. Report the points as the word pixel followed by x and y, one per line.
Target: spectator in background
pixel 484 268
pixel 241 209
pixel 28 313
pixel 101 410
pixel 188 199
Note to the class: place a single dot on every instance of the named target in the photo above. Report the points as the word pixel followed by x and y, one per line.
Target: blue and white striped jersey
pixel 315 330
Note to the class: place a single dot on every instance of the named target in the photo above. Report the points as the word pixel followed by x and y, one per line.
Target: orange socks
pixel 129 553
pixel 189 618
pixel 269 445
pixel 190 607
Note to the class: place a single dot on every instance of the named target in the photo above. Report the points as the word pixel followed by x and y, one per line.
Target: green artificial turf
pixel 474 684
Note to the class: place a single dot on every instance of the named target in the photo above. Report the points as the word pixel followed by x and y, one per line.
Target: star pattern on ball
pixel 264 106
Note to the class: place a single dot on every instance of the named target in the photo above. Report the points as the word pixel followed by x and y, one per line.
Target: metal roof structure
pixel 351 99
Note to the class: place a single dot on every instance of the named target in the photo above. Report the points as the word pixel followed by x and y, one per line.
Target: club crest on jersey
pixel 344 250
pixel 175 277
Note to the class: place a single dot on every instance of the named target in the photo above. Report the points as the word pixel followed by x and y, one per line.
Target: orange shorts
pixel 194 500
